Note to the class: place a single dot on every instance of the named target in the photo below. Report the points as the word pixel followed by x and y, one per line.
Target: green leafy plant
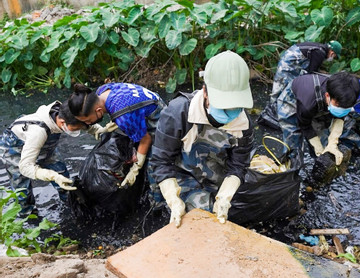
pixel 112 39
pixel 350 257
pixel 13 231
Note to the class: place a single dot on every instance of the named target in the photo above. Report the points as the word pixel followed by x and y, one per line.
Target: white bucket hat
pixel 227 81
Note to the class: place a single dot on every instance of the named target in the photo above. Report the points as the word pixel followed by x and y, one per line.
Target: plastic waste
pixel 312 240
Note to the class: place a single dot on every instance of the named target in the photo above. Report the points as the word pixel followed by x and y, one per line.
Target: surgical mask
pixel 338 112
pixel 330 59
pixel 75 133
pixel 224 116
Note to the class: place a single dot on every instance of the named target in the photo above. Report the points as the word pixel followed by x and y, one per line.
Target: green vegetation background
pixel 114 40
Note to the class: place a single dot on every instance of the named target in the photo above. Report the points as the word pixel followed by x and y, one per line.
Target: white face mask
pixel 75 133
pixel 330 59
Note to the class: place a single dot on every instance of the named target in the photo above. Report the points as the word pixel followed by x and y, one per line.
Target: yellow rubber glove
pixel 336 130
pixel 171 191
pixel 110 127
pixel 50 175
pixel 224 196
pixel 134 170
pixel 316 143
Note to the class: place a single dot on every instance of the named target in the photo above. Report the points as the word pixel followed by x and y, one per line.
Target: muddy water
pixel 332 206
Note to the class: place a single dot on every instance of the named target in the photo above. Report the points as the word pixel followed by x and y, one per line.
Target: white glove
pixel 316 144
pixel 224 196
pixel 50 175
pixel 336 130
pixel 171 191
pixel 110 127
pixel 134 170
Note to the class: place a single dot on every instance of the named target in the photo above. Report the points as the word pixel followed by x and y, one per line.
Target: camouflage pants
pixel 291 65
pixel 351 133
pixel 201 168
pixel 192 193
pixel 286 112
pixel 10 154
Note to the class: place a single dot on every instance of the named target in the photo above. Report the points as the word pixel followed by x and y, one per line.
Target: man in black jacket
pixel 314 103
pixel 203 141
pixel 299 59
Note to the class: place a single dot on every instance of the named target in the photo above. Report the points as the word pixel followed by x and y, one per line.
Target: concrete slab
pixel 202 247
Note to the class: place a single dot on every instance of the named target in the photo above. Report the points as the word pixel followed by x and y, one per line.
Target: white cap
pixel 227 81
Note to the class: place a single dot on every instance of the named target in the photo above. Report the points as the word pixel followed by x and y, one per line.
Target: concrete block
pixel 202 247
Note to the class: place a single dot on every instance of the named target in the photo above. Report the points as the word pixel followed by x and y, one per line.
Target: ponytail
pixel 82 100
pixel 67 116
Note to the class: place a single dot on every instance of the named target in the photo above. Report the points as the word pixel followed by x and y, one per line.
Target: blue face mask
pixel 338 112
pixel 224 116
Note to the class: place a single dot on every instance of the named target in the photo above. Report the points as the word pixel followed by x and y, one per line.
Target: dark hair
pixel 65 114
pixel 82 100
pixel 344 88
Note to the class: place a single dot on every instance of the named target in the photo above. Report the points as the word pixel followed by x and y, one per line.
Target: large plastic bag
pixel 268 117
pixel 266 196
pixel 103 170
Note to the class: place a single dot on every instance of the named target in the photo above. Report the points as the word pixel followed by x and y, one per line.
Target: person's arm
pixel 171 128
pixel 236 164
pixel 35 139
pixel 316 59
pixel 239 156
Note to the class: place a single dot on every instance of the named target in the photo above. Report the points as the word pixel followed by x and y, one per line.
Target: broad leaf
pixel 109 18
pixel 287 8
pixel 114 37
pixel 323 17
pixel 171 85
pixel 37 35
pixel 28 65
pixel 6 75
pixel 133 15
pixel 173 39
pixel 90 32
pixel 148 32
pixel 69 56
pixel 218 15
pixel 353 16
pixel 164 27
pixel 144 49
pixel 312 33
pixel 132 37
pixel 212 49
pixel 93 54
pixel 187 47
pixel 11 55
pixel 355 64
pixel 180 76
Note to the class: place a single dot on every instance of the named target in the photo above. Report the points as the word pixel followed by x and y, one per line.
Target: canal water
pixel 332 206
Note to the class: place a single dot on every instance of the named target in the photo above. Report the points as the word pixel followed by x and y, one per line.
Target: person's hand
pixel 64 182
pixel 336 130
pixel 171 191
pixel 50 175
pixel 226 192
pixel 316 144
pixel 110 127
pixel 130 178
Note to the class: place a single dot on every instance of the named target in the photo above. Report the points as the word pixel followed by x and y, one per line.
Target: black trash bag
pixel 268 196
pixel 268 117
pixel 103 170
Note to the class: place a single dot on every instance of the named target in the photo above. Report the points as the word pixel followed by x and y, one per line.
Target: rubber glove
pixel 224 196
pixel 336 130
pixel 110 127
pixel 316 143
pixel 50 175
pixel 134 170
pixel 171 191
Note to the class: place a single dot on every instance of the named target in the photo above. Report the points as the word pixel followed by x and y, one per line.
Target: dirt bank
pixel 49 266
